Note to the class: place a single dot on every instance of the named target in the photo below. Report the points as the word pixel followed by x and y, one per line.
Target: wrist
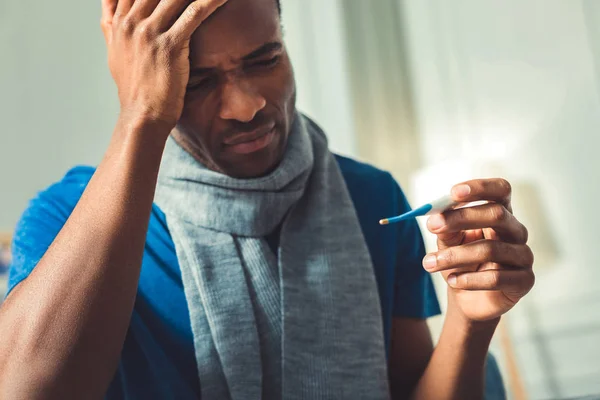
pixel 469 327
pixel 134 123
pixel 471 339
pixel 472 331
pixel 138 140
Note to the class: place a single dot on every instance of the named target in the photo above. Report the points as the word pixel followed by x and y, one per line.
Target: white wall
pixel 57 100
pixel 314 36
pixel 511 88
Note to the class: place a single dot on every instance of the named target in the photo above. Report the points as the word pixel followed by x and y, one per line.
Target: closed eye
pixel 270 62
pixel 196 84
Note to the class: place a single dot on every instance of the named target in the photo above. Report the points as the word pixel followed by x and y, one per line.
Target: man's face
pixel 240 99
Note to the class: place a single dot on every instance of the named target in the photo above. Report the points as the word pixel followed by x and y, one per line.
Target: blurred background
pixel 434 91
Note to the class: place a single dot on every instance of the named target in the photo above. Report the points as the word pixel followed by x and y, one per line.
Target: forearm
pixel 456 369
pixel 62 329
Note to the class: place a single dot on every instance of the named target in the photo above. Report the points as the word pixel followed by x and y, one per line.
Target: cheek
pixel 288 81
pixel 281 88
pixel 196 119
pixel 198 106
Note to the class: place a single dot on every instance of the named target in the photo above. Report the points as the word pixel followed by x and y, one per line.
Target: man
pixel 252 265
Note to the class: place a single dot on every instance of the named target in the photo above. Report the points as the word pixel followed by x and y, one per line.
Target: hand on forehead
pixel 237 28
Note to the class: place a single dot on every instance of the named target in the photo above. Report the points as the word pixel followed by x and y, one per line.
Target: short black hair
pixel 278 6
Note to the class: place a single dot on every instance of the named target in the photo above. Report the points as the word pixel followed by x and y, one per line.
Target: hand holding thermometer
pixel 435 207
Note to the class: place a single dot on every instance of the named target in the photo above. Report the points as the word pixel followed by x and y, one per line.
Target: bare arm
pixel 62 329
pixel 410 351
pixel 455 369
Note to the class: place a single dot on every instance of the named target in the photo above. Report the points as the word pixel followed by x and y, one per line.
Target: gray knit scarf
pixel 301 324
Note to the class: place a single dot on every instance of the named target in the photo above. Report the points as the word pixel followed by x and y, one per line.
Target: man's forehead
pixel 236 29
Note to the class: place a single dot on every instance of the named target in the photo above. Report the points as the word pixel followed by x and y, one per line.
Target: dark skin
pixel 62 329
pixel 241 80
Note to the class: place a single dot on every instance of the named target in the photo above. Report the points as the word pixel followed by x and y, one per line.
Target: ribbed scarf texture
pixel 304 323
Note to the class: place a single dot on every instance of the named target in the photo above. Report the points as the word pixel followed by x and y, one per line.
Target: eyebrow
pixel 265 49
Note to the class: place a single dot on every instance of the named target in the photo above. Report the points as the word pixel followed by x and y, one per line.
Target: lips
pixel 246 137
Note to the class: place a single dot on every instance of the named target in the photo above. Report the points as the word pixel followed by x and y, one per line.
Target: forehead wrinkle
pixel 238 28
pixel 213 58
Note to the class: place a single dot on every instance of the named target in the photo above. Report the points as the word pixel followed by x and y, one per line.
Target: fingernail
pixel 436 222
pixel 452 280
pixel 430 262
pixel 461 191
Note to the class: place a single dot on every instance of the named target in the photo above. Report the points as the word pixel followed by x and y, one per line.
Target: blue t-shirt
pixel 158 360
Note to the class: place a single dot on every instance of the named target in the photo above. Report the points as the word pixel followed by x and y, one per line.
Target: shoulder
pixel 376 195
pixel 372 188
pixel 43 219
pixel 58 200
pixel 364 175
pixel 356 171
pixel 66 190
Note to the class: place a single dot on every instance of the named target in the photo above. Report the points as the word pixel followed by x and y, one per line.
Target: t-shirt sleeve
pixel 414 294
pixel 41 222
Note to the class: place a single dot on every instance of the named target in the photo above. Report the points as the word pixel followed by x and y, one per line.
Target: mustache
pixel 238 127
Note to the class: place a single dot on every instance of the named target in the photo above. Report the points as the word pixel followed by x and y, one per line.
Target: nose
pixel 240 102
